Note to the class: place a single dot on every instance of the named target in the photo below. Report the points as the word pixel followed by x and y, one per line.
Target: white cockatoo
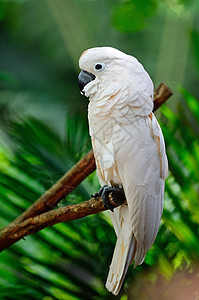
pixel 129 151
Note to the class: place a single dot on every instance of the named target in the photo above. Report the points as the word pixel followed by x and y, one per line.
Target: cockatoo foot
pixel 116 193
pixel 99 193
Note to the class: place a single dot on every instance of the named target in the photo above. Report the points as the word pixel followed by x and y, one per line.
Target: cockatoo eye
pixel 99 67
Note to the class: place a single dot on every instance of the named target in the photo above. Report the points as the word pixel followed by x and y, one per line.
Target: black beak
pixel 84 78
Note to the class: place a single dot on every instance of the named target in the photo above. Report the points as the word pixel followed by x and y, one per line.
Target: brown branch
pixel 64 186
pixel 13 233
pixel 38 216
pixel 161 95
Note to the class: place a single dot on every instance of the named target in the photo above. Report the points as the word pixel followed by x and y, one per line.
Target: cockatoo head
pixel 106 70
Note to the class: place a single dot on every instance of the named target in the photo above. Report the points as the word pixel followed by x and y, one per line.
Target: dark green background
pixel 43 132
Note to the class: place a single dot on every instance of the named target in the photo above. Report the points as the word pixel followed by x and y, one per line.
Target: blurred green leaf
pixel 132 15
pixel 192 103
pixel 2 11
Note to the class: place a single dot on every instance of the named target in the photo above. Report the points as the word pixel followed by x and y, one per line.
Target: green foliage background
pixel 43 132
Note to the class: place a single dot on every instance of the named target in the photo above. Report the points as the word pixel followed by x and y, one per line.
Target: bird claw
pixel 104 193
pixel 99 193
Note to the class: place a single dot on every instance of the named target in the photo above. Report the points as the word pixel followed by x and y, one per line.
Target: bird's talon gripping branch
pixel 110 194
pixel 105 197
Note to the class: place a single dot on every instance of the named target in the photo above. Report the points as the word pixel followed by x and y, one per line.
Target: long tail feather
pixel 122 257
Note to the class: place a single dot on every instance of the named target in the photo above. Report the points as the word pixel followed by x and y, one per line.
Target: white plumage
pixel 129 150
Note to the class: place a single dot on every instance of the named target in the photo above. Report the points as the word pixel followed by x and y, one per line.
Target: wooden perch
pixel 161 95
pixel 13 233
pixel 41 214
pixel 64 186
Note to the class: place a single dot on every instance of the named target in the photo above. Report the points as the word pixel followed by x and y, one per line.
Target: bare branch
pixel 161 95
pixel 13 233
pixel 64 186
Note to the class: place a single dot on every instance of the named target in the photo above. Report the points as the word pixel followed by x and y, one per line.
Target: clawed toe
pixel 104 192
pixel 105 197
pixel 99 193
pixel 95 195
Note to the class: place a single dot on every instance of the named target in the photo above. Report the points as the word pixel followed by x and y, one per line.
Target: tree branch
pixel 40 214
pixel 161 95
pixel 13 233
pixel 64 186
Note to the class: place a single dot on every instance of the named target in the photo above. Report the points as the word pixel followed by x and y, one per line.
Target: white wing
pixel 142 166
